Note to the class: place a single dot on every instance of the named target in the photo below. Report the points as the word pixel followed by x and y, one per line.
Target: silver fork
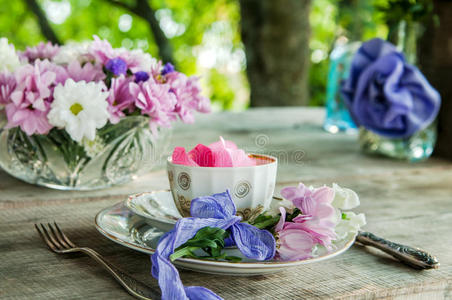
pixel 59 243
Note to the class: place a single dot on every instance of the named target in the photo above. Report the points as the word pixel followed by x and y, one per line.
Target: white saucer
pixel 126 228
pixel 157 207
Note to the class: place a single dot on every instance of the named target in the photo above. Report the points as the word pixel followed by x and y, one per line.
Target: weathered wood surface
pixel 408 203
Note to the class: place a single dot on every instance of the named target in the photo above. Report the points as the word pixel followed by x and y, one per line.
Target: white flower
pixel 344 198
pixel 9 60
pixel 350 223
pixel 93 147
pixel 73 51
pixel 79 108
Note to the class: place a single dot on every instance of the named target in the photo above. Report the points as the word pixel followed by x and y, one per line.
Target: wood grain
pixel 407 203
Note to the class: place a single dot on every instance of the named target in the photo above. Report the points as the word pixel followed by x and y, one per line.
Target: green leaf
pixel 265 221
pixel 208 239
pixel 291 216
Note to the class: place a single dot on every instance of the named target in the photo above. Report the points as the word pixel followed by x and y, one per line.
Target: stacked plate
pixel 140 221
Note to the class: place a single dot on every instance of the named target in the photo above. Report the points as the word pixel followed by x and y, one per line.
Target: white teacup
pixel 251 188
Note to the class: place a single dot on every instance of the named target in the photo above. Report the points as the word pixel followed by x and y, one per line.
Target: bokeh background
pixel 203 37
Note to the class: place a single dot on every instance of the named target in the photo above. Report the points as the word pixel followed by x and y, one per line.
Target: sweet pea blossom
pixel 318 217
pixel 217 211
pixel 30 101
pixel 349 222
pixel 320 223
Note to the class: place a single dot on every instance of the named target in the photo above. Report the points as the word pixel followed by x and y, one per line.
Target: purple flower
pixel 117 66
pixel 40 51
pixel 141 76
pixel 387 95
pixel 168 68
pixel 218 211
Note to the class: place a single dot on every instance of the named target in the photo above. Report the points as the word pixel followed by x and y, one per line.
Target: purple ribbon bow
pixel 218 211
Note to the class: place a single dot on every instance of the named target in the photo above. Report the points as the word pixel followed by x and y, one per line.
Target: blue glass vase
pixel 337 116
pixel 415 148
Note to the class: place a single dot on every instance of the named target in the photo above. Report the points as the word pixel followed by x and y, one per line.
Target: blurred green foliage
pixel 205 35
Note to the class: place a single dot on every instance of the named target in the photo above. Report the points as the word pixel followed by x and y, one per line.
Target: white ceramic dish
pixel 251 187
pixel 122 226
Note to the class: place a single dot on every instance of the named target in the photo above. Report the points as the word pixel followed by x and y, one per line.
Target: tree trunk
pixel 44 25
pixel 142 9
pixel 435 59
pixel 276 38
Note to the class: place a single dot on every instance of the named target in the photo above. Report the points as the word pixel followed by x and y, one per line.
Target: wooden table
pixel 408 203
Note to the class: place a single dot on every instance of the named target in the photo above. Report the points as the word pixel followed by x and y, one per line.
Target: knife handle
pixel 414 257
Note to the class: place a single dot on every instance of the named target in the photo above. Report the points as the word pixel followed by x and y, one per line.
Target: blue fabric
pixel 218 211
pixel 387 95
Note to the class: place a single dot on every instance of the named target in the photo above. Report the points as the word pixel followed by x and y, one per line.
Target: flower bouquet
pixel 392 102
pixel 314 220
pixel 84 116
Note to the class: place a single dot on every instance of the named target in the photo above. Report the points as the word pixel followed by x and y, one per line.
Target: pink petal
pixel 295 244
pixel 202 155
pixel 222 158
pixel 222 143
pixel 293 192
pixel 241 159
pixel 324 195
pixel 282 220
pixel 180 157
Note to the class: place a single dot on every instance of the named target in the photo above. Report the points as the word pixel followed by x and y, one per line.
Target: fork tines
pixel 55 239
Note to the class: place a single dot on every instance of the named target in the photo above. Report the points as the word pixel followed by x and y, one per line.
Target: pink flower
pixel 102 50
pixel 136 60
pixel 88 72
pixel 30 101
pixel 292 243
pixel 219 154
pixel 7 86
pixel 188 94
pixel 60 73
pixel 120 98
pixel 154 100
pixel 40 51
pixel 317 220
